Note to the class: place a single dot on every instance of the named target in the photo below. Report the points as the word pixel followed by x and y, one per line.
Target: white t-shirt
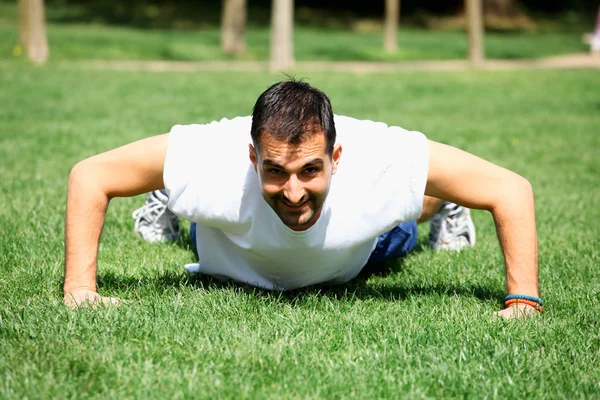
pixel 210 180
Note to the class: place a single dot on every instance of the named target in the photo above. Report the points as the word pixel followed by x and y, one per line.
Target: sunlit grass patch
pixel 424 328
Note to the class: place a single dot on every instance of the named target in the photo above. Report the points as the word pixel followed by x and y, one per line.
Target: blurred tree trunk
pixel 282 26
pixel 233 25
pixel 392 15
pixel 23 23
pixel 32 30
pixel 475 27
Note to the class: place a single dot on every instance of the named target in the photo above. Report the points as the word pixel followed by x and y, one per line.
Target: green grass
pixel 424 329
pixel 76 41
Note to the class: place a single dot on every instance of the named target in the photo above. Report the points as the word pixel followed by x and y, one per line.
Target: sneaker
pixel 154 222
pixel 452 228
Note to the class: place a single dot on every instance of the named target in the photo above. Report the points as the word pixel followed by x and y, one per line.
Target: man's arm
pixel 470 181
pixel 130 170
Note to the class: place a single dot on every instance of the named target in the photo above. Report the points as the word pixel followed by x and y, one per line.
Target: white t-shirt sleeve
pixel 206 168
pixel 396 189
pixel 412 165
pixel 382 172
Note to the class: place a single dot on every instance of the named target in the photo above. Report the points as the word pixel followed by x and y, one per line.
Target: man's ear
pixel 335 158
pixel 253 158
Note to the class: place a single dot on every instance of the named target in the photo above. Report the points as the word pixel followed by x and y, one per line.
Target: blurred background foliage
pixel 565 15
pixel 328 31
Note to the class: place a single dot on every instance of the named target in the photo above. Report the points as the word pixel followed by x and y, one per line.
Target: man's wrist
pixel 523 308
pixel 68 289
pixel 514 300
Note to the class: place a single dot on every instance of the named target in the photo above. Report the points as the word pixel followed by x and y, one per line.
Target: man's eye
pixel 311 171
pixel 274 171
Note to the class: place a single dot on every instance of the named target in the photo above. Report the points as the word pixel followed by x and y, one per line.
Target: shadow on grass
pixel 362 287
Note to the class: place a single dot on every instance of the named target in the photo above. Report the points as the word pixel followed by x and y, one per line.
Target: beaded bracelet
pixel 533 304
pixel 524 297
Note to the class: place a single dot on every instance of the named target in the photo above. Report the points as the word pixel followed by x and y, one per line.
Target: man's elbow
pixel 524 188
pixel 517 192
pixel 85 179
pixel 81 173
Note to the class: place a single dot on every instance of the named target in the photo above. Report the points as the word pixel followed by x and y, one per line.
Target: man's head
pixel 294 151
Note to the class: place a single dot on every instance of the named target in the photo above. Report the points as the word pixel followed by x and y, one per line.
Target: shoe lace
pixel 150 212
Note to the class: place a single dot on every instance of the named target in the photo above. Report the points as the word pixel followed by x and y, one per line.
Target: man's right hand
pixel 130 170
pixel 87 297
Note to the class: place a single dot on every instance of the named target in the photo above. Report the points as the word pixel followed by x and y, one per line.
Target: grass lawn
pixel 76 41
pixel 424 329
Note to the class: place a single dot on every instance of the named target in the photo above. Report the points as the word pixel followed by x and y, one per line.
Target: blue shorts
pixel 398 242
pixel 393 244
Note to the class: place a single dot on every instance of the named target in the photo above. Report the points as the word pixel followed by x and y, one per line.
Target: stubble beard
pixel 295 219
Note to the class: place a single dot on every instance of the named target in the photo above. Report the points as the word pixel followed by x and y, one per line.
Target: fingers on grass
pixel 517 313
pixel 92 302
pixel 112 300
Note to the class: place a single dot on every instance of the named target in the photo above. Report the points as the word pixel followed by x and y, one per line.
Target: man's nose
pixel 294 190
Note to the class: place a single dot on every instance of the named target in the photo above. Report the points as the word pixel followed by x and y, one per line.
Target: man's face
pixel 295 178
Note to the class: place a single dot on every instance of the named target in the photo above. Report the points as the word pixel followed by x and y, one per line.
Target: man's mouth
pixel 294 207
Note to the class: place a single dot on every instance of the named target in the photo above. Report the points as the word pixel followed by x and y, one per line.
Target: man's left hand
pixel 518 311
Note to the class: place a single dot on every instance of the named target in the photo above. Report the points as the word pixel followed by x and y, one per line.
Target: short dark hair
pixel 292 110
